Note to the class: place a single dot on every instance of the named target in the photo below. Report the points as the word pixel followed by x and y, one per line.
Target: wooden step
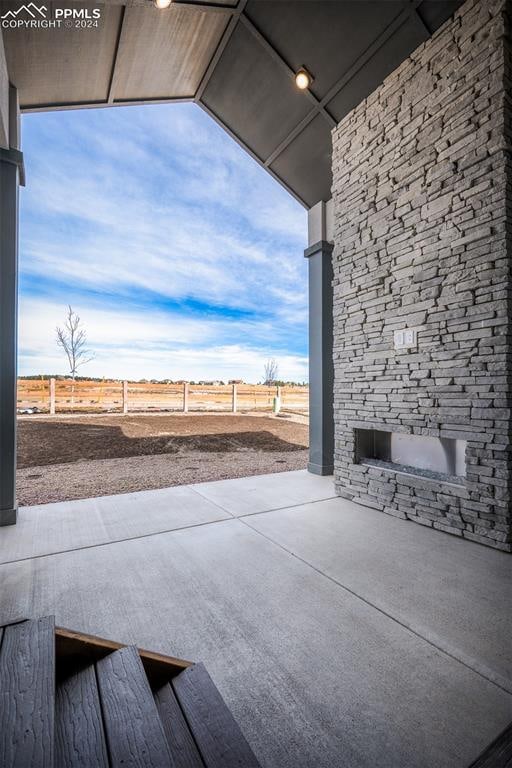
pixel 69 700
pixel 215 731
pixel 134 732
pixel 498 754
pixel 182 746
pixel 27 694
pixel 79 734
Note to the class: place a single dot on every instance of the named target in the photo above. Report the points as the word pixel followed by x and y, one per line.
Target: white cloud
pixel 168 249
pixel 142 344
pixel 174 213
pixel 152 206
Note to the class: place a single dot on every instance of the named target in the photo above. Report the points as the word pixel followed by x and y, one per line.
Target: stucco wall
pixel 420 241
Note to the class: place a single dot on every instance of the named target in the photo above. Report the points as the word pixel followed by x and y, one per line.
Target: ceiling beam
pixel 372 49
pixel 104 104
pixel 224 40
pixel 153 100
pixel 363 59
pixel 238 16
pixel 208 7
pixel 428 31
pixel 291 136
pixel 276 56
pixel 112 81
pixel 250 152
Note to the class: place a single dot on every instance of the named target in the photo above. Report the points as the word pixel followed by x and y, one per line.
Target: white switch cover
pixel 405 339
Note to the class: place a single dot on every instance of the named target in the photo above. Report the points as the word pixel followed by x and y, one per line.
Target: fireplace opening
pixel 439 458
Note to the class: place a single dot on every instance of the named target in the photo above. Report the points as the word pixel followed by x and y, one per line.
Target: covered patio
pixel 339 632
pixel 337 635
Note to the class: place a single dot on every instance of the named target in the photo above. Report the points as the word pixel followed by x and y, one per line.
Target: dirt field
pixel 63 458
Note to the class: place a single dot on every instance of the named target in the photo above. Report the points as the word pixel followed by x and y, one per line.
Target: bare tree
pixel 73 340
pixel 271 372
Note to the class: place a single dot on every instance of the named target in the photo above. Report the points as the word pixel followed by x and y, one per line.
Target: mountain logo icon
pixel 32 10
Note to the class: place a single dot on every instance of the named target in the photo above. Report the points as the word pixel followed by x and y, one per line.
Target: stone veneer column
pixel 422 196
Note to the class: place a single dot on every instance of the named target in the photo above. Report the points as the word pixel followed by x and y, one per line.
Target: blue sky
pixel 182 255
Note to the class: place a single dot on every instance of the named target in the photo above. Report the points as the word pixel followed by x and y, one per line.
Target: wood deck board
pixel 103 712
pixel 135 736
pixel 79 735
pixel 27 694
pixel 216 733
pixel 181 743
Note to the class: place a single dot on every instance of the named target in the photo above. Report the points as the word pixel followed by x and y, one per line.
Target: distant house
pixel 236 381
pixel 211 383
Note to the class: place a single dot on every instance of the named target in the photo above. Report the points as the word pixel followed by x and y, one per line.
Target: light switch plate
pixel 405 338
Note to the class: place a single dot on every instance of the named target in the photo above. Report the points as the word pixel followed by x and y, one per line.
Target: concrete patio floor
pixel 339 636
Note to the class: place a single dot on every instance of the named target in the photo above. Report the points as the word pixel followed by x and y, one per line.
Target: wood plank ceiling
pixel 236 60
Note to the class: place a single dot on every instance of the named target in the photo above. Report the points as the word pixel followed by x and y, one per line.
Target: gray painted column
pixel 321 368
pixel 11 168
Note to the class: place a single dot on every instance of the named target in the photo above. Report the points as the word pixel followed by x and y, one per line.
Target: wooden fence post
pixel 102 389
pixel 277 400
pixel 234 399
pixel 125 397
pixel 185 397
pixel 52 397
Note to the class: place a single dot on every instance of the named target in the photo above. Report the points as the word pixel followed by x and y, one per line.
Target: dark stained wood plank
pixel 498 754
pixel 27 694
pixel 216 733
pixel 181 743
pixel 135 735
pixel 79 736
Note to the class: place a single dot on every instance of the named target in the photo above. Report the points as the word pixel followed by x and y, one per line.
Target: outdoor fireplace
pixel 438 457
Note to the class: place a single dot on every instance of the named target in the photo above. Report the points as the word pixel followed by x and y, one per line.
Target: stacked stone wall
pixel 422 202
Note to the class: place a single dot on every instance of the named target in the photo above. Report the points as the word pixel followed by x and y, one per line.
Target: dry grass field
pixel 61 458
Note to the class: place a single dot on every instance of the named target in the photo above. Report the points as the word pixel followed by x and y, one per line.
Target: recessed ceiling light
pixel 161 4
pixel 303 79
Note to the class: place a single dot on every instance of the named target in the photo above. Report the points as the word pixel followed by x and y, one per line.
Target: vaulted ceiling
pixel 237 60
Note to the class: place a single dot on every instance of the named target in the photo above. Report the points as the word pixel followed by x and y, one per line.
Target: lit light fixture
pixel 303 79
pixel 161 4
